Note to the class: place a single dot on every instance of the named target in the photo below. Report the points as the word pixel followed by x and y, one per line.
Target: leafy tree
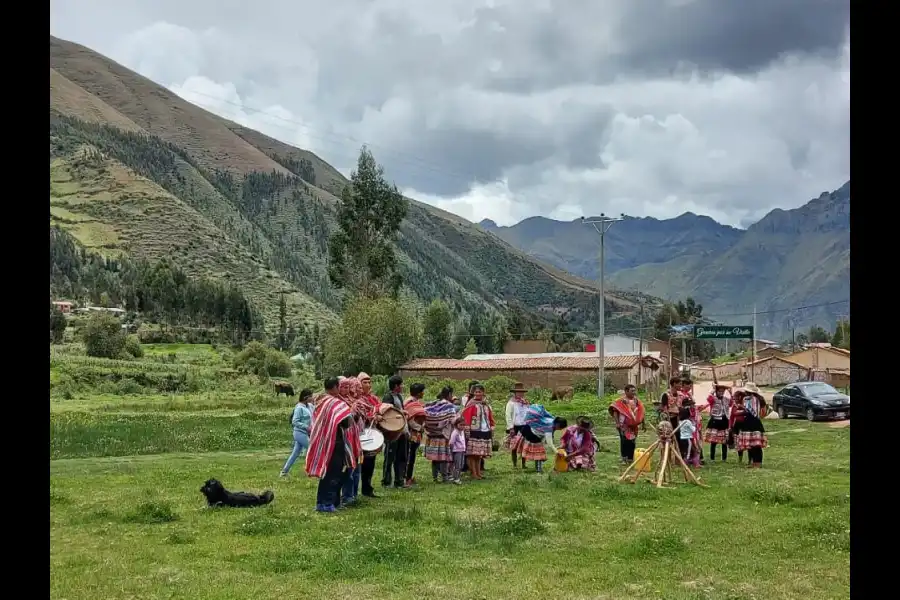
pixel 58 325
pixel 471 347
pixel 436 329
pixel 361 250
pixel 282 322
pixel 103 336
pixel 817 335
pixel 376 335
pixel 687 312
pixel 263 361
pixel 841 337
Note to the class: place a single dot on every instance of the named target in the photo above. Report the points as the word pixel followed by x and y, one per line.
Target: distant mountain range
pixel 789 259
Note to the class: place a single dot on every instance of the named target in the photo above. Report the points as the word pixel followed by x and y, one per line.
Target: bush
pixel 57 325
pixel 103 336
pixel 263 361
pixel 497 387
pixel 133 347
pixel 588 384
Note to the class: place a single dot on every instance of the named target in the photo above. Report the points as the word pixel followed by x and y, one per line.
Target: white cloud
pixel 503 111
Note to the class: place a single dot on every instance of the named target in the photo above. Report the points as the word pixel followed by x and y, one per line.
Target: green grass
pixel 127 518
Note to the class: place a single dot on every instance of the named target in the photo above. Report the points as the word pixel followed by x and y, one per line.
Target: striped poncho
pixel 538 419
pixel 327 418
pixel 439 417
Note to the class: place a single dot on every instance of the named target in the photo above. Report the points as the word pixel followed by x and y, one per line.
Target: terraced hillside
pixel 136 169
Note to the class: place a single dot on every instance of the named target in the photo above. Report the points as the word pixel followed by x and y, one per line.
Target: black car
pixel 812 399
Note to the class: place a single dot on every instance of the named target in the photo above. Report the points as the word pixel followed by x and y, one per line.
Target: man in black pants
pixel 368 464
pixel 396 452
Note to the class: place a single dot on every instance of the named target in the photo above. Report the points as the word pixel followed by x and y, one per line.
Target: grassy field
pixel 127 519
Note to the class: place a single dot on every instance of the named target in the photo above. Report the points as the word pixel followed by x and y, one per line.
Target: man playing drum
pixel 371 404
pixel 396 451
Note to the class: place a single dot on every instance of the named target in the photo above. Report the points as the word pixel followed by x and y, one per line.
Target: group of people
pixel 458 435
pixel 735 421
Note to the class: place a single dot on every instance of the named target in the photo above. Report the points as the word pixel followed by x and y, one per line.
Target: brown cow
pixel 563 393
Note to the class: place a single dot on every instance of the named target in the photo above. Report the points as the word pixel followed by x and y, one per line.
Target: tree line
pixel 158 291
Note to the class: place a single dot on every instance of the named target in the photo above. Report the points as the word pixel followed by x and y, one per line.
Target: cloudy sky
pixel 504 110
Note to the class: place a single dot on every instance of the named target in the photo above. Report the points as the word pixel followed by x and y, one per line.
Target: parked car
pixel 812 399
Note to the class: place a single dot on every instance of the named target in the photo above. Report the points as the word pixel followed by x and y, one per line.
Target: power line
pixel 779 310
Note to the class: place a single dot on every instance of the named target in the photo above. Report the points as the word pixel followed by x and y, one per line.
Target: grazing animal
pixel 217 495
pixel 282 387
pixel 563 393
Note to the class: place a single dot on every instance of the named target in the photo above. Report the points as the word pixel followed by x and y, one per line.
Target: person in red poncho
pixel 628 413
pixel 333 446
pixel 367 405
pixel 415 418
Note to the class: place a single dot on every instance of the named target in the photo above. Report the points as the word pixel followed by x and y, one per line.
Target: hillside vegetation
pixel 137 170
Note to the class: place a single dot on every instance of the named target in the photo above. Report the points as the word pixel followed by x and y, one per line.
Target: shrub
pixel 133 347
pixel 263 361
pixel 498 386
pixel 57 325
pixel 588 384
pixel 103 336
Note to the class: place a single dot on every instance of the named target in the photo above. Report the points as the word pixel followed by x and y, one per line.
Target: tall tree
pixel 361 250
pixel 817 335
pixel 282 322
pixel 436 329
pixel 841 337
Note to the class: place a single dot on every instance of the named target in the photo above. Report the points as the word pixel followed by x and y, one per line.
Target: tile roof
pixel 521 364
pixel 776 359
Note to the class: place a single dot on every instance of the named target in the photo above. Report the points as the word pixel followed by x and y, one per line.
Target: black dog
pixel 217 495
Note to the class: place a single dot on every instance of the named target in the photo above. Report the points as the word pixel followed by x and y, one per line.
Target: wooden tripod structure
pixel 670 459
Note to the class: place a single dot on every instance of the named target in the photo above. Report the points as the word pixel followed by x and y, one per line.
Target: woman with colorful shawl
pixel 333 447
pixel 752 436
pixel 578 442
pixel 716 433
pixel 515 418
pixel 628 414
pixel 479 420
pixel 415 417
pixel 535 433
pixel 439 418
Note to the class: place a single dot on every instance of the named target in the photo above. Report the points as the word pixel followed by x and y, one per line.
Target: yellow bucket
pixel 643 460
pixel 560 464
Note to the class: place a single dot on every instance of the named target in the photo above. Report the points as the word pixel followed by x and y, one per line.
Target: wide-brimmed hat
pixel 518 387
pixel 751 388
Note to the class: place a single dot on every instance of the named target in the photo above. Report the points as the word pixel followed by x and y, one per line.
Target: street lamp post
pixel 601 224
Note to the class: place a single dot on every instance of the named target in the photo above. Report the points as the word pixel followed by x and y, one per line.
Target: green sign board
pixel 723 332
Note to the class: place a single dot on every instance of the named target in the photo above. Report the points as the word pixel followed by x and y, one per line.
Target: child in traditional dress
pixel 439 417
pixel 578 442
pixel 735 422
pixel 458 449
pixel 686 430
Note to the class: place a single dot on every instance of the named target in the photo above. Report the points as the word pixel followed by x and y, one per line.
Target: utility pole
pixel 601 225
pixel 641 349
pixel 753 349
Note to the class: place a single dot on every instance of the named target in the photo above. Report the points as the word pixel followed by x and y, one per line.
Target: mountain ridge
pixel 122 144
pixel 789 258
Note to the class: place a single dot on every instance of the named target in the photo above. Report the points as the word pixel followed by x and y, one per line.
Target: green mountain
pixel 788 260
pixel 136 170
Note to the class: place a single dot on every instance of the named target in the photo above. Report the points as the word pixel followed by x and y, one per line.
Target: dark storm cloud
pixel 733 35
pixel 650 107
